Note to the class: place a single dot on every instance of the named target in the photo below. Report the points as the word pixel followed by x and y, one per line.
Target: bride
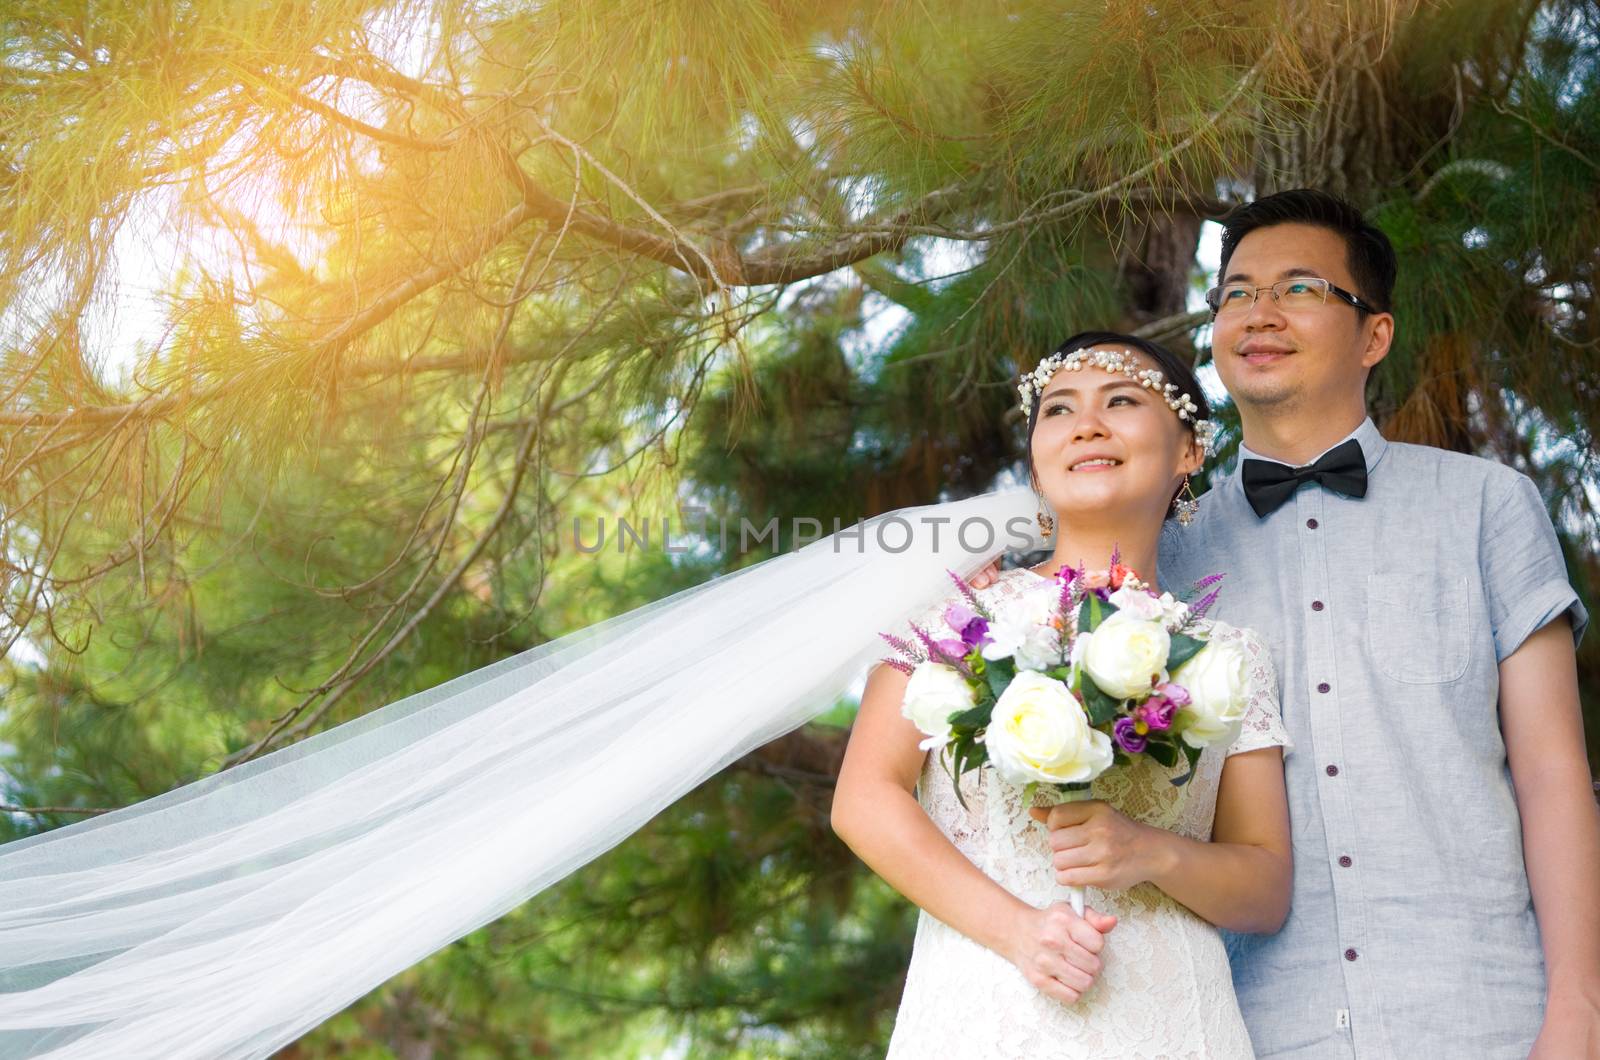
pixel 227 917
pixel 1001 965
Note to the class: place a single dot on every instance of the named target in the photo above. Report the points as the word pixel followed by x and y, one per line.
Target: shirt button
pixel 1324 688
pixel 1345 862
pixel 1350 955
pixel 1333 771
pixel 1316 605
pixel 1311 524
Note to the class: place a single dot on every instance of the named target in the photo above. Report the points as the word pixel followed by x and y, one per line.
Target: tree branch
pixel 333 342
pixel 41 811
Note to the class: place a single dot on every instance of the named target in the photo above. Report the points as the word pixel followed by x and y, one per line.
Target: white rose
pixel 1127 655
pixel 1217 680
pixel 935 692
pixel 1080 648
pixel 1039 732
pixel 1136 602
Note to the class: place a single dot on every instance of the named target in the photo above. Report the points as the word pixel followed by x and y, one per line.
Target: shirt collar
pixel 1373 446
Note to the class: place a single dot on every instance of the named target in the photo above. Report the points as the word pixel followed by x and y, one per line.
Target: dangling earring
pixel 1047 522
pixel 1186 508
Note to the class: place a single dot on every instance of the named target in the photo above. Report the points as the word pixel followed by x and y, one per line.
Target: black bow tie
pixel 1268 484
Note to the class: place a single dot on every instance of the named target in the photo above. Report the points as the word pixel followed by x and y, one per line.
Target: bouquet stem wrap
pixel 1076 793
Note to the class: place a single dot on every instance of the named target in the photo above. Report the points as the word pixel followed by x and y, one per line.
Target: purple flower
pixel 958 615
pixel 967 593
pixel 901 646
pixel 1068 580
pixel 1200 607
pixel 973 628
pixel 1127 737
pixel 949 652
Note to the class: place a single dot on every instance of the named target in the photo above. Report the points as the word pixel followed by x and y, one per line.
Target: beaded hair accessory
pixel 1123 362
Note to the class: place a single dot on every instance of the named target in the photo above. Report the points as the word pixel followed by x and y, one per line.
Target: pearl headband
pixel 1123 362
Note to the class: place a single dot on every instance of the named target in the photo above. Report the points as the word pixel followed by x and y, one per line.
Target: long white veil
pixel 227 917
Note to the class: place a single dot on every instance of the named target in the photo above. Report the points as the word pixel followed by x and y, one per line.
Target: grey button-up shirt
pixel 1411 932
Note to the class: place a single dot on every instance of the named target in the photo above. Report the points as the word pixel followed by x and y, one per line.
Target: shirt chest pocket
pixel 1417 627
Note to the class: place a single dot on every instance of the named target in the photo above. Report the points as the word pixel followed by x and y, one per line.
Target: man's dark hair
pixel 1368 252
pixel 1175 368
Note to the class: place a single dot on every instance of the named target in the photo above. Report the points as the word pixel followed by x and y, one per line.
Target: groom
pixel 1447 844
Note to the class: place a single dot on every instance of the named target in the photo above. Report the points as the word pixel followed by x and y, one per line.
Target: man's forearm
pixel 1542 724
pixel 1561 846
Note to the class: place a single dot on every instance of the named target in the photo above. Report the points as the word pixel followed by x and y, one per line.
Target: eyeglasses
pixel 1299 292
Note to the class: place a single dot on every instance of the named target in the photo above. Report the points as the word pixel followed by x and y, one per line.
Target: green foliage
pixel 1183 649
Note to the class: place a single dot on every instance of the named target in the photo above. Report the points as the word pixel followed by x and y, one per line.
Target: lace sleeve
pixel 1263 719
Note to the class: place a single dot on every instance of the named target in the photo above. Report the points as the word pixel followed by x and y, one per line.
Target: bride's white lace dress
pixel 1165 990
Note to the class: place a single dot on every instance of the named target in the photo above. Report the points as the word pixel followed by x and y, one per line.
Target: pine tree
pixel 447 275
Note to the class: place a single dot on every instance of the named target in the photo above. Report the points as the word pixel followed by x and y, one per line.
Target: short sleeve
pixel 1263 718
pixel 1524 575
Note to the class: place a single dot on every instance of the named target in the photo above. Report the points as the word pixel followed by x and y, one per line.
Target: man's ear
pixel 1378 341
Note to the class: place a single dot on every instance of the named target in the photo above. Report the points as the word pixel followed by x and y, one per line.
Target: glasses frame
pixel 1348 297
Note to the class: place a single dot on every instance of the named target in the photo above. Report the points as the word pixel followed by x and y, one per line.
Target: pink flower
pixel 1176 694
pixel 1157 713
pixel 958 615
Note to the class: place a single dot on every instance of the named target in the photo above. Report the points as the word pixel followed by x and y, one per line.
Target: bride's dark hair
pixel 1177 371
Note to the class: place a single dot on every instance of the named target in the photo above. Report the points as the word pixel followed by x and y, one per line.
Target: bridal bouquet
pixel 1105 672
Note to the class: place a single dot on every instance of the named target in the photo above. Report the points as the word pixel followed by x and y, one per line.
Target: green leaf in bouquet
pixel 1102 709
pixel 999 675
pixel 1184 648
pixel 958 759
pixel 1162 752
pixel 1092 612
pixel 1193 755
pixel 973 718
pixel 968 755
pixel 1060 673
